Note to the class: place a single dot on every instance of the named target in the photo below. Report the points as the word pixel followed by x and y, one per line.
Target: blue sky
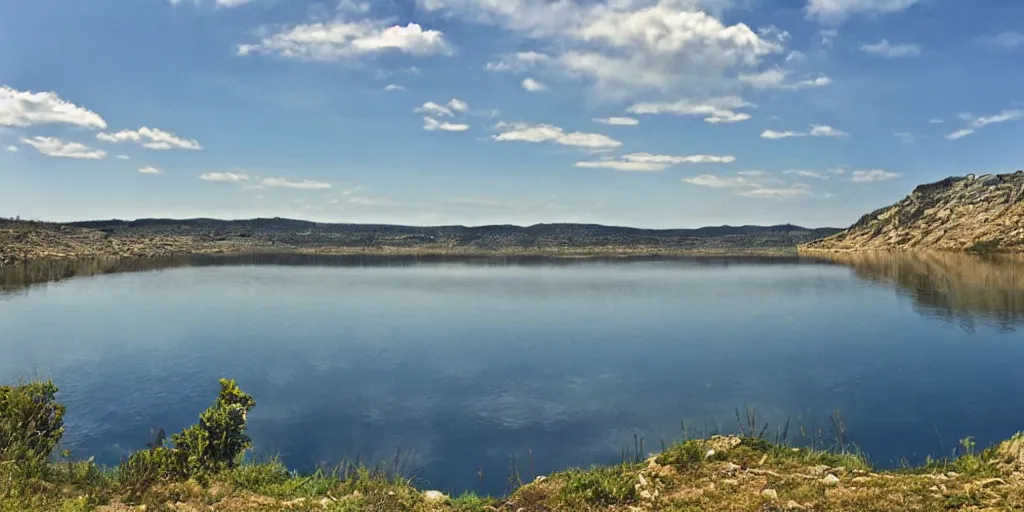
pixel 649 113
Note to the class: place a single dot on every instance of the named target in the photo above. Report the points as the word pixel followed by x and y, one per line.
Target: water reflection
pixel 960 288
pixel 16 278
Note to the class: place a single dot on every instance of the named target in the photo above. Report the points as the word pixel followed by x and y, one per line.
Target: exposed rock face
pixel 955 214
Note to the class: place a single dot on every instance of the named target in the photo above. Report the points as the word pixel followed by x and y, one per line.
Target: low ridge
pixel 970 213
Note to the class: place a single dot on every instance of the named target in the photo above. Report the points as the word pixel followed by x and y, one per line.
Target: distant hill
pixel 26 241
pixel 971 213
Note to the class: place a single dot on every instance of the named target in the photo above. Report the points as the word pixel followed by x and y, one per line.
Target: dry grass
pixel 720 474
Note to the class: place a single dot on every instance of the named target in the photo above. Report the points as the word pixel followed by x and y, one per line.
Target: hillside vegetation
pixel 971 213
pixel 22 242
pixel 202 468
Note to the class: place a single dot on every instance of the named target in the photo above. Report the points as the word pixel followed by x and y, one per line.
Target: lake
pixel 467 368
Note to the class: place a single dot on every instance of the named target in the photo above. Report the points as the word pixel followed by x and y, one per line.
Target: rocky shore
pixel 971 213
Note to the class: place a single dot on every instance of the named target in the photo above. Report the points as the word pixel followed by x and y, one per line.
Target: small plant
pixel 31 423
pixel 217 443
pixel 605 485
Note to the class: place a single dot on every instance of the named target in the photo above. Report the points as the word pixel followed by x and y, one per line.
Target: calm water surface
pixel 460 367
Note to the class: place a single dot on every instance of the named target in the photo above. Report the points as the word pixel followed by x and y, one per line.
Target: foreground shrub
pixel 217 443
pixel 31 423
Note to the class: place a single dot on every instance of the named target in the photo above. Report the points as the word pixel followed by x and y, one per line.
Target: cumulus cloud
pixel 977 123
pixel 526 132
pixel 886 49
pixel 340 40
pixel 434 109
pixel 866 176
pixel 458 105
pixel 52 146
pixel 519 62
pixel 532 85
pixel 149 170
pixel 12 149
pixel 230 177
pixel 432 125
pixel 27 108
pixel 817 130
pixel 286 183
pixel 713 110
pixel 123 157
pixel 393 87
pixel 651 162
pixel 777 79
pixel 836 11
pixel 624 47
pixel 151 138
pixel 617 121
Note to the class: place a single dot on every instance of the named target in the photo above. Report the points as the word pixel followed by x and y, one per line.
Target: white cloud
pixel 286 183
pixel 775 78
pixel 866 176
pixel 52 146
pixel 232 3
pixel 434 109
pixel 795 190
pixel 231 177
pixel 458 105
pixel 620 165
pixel 625 47
pixel 796 56
pixel 151 138
pixel 817 130
pixel 977 123
pixel 1004 40
pixel 836 11
pixel 149 170
pixel 651 162
pixel 123 157
pixel 532 85
pixel 713 110
pixel 935 121
pixel 12 149
pixel 26 108
pixel 339 40
pixel 959 134
pixel 617 121
pixel 712 181
pixel 806 174
pixel 744 186
pixel 393 87
pixel 525 132
pixel 905 137
pixel 519 62
pixel 892 51
pixel 432 125
pixel 752 173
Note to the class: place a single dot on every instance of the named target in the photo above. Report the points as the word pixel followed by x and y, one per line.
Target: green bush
pixel 31 423
pixel 217 443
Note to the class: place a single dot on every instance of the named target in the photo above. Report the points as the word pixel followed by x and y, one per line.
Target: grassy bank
pixel 202 468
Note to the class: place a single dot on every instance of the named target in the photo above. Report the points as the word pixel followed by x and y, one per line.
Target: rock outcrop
pixel 972 213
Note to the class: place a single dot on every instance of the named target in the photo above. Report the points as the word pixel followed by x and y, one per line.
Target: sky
pixel 647 113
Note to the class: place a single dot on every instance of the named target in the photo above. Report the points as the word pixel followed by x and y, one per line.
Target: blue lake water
pixel 461 368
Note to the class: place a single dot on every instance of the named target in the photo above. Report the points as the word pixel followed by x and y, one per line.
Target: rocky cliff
pixel 972 213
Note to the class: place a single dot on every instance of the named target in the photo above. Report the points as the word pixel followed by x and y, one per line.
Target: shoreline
pixel 744 472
